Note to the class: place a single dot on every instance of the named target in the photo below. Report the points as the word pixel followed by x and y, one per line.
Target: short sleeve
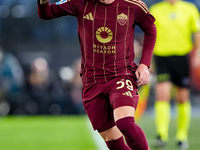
pixel 195 19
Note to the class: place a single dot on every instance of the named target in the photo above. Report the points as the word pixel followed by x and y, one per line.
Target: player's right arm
pixel 44 10
pixel 49 11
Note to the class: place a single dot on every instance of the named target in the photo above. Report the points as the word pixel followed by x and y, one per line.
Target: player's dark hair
pixel 95 1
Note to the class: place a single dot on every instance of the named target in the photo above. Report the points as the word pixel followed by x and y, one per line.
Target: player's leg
pixel 100 113
pixel 184 116
pixel 124 99
pixel 162 112
pixel 134 135
pixel 114 139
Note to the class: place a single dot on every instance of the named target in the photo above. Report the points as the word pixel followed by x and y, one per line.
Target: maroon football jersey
pixel 106 33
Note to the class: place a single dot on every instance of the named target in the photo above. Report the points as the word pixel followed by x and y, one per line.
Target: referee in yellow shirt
pixel 178 32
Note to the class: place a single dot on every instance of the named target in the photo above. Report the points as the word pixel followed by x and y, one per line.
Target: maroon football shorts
pixel 101 99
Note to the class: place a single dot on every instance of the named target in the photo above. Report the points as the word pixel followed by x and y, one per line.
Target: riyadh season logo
pixel 104 35
pixel 61 2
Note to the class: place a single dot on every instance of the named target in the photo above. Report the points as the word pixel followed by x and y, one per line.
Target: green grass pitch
pixel 45 133
pixel 71 133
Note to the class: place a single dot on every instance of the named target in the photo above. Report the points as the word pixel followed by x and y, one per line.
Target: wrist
pixel 147 67
pixel 42 2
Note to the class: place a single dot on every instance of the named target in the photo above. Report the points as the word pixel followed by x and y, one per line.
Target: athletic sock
pixel 118 144
pixel 183 120
pixel 162 119
pixel 134 135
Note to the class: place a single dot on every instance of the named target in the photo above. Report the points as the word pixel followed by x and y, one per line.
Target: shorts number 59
pixel 128 84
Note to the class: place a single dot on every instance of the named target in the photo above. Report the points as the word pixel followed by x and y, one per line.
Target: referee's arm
pixel 196 51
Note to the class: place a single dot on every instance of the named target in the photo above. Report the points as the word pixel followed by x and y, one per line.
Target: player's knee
pixel 125 124
pixel 111 134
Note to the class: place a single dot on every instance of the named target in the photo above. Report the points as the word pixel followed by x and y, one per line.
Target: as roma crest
pixel 122 19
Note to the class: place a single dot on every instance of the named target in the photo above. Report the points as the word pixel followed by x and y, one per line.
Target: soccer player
pixel 176 22
pixel 109 75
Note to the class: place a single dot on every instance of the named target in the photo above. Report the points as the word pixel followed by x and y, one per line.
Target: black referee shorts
pixel 173 68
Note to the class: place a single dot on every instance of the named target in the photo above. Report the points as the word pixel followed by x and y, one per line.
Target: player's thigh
pixel 100 113
pixel 124 97
pixel 124 111
pixel 98 108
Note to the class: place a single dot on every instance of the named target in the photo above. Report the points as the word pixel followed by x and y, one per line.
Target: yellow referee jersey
pixel 175 25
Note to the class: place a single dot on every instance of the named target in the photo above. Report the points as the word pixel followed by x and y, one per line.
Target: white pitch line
pixel 99 142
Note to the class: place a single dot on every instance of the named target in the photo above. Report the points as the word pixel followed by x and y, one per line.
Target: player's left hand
pixel 142 75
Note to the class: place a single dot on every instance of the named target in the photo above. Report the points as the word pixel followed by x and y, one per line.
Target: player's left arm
pixel 146 22
pixel 142 72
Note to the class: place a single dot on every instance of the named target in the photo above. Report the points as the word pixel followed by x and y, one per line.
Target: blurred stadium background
pixel 40 90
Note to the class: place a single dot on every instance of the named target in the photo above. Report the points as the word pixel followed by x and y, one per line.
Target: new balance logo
pixel 88 16
pixel 128 94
